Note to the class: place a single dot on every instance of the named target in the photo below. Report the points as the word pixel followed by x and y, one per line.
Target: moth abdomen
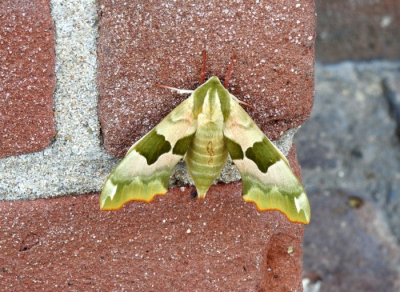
pixel 205 159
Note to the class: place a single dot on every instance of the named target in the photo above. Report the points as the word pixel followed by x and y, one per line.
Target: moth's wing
pixel 146 168
pixel 267 178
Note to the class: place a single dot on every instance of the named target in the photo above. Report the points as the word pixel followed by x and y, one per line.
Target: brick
pixel 357 30
pixel 27 77
pixel 175 243
pixel 144 43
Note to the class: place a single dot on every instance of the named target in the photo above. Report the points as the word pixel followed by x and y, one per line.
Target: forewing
pixel 146 168
pixel 267 178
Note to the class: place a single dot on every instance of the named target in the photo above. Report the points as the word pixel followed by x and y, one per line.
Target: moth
pixel 203 130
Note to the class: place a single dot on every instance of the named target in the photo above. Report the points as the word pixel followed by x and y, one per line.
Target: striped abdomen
pixel 207 155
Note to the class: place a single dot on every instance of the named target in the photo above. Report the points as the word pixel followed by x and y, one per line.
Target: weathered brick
pixel 144 43
pixel 175 243
pixel 27 76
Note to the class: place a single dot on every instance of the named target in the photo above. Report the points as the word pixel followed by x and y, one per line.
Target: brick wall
pixel 69 66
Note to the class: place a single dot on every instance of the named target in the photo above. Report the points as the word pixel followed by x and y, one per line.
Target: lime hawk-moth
pixel 203 130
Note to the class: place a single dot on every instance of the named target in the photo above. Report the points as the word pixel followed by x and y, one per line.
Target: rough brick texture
pixel 357 30
pixel 176 243
pixel 27 76
pixel 144 43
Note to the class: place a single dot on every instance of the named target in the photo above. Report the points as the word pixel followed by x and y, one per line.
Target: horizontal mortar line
pixel 80 165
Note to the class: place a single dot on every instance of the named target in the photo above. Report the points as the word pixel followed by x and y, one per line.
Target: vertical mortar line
pixel 75 162
pixel 76 66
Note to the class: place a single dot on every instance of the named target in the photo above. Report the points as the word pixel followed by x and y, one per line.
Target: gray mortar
pixel 76 163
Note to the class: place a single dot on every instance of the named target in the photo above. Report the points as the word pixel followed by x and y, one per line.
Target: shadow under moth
pixel 203 130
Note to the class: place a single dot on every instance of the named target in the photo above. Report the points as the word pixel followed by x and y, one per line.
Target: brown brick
pixel 143 43
pixel 27 76
pixel 357 30
pixel 176 243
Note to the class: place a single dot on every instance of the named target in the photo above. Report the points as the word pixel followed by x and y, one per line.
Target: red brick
pixel 176 243
pixel 27 76
pixel 357 30
pixel 144 43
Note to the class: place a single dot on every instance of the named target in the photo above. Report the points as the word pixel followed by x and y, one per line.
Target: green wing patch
pixel 152 146
pixel 263 154
pixel 234 149
pixel 182 146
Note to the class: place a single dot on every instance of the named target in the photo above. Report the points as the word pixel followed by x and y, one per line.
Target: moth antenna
pixel 246 104
pixel 180 91
pixel 167 87
pixel 228 74
pixel 203 68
